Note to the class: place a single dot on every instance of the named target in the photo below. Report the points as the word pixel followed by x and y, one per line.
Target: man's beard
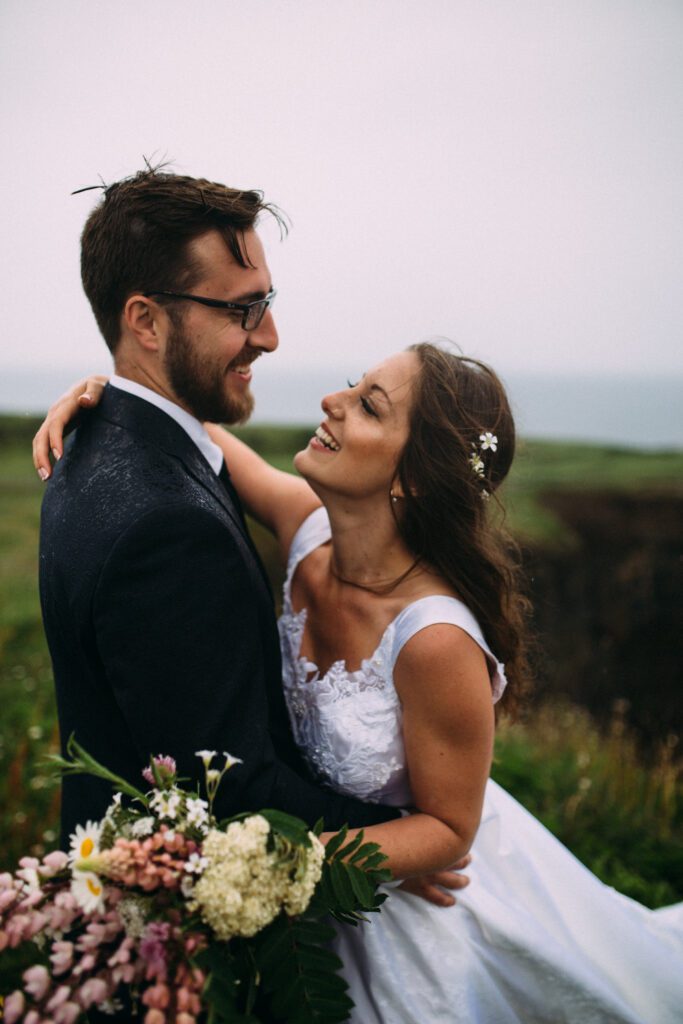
pixel 202 385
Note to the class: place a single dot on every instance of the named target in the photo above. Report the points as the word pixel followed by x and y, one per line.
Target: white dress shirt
pixel 192 427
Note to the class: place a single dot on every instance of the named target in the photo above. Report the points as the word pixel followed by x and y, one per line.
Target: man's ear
pixel 146 322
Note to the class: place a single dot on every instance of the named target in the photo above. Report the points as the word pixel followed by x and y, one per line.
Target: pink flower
pixel 32 1017
pixel 36 981
pixel 85 964
pixel 29 862
pixel 60 997
pixel 157 996
pixel 94 990
pixel 155 1016
pixel 62 956
pixel 14 1007
pixel 166 767
pixel 68 1013
pixel 123 974
pixel 152 948
pixel 7 897
pixel 54 862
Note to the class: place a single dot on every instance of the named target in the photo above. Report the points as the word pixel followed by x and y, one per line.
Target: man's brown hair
pixel 136 239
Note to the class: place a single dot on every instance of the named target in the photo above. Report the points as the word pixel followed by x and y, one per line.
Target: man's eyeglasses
pixel 252 312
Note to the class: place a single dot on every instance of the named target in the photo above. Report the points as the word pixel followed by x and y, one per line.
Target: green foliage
pixel 629 836
pixel 287 970
pixel 620 815
pixel 299 974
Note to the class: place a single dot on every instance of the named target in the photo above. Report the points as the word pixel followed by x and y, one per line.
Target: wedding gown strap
pixel 314 531
pixel 437 609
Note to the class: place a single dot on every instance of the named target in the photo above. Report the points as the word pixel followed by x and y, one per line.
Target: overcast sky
pixel 508 174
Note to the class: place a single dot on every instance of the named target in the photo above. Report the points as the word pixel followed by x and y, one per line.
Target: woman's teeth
pixel 326 439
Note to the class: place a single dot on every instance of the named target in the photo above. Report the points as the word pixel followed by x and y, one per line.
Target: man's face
pixel 208 354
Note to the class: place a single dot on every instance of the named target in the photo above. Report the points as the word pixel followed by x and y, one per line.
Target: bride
pixel 400 599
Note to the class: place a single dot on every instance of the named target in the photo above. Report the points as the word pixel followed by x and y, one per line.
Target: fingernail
pixel 86 397
pixel 57 454
pixel 43 474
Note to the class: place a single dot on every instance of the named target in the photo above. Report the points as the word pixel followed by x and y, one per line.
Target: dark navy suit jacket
pixel 160 622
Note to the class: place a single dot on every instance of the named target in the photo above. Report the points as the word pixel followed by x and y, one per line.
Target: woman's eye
pixel 367 407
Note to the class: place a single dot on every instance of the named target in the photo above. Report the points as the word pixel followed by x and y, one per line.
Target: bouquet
pixel 160 911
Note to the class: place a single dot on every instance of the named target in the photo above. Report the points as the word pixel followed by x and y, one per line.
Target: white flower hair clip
pixel 487 442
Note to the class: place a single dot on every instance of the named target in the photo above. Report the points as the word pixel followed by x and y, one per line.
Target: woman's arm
pixel 443 682
pixel 279 501
pixel 49 439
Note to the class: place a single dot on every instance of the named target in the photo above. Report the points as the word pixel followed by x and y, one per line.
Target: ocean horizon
pixel 632 411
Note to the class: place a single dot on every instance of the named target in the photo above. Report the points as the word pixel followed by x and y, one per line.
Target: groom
pixel 157 611
pixel 158 615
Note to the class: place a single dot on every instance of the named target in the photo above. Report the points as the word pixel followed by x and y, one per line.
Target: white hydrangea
pixel 302 888
pixel 244 885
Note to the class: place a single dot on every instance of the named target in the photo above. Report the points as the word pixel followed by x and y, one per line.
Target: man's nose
pixel 265 336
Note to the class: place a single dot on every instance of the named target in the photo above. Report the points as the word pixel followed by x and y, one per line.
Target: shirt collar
pixel 192 427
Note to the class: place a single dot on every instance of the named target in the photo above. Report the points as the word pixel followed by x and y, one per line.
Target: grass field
pixel 622 817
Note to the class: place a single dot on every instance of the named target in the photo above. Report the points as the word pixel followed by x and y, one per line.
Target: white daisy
pixel 88 891
pixel 84 841
pixel 488 440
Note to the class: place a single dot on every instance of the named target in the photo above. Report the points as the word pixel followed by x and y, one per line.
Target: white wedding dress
pixel 535 937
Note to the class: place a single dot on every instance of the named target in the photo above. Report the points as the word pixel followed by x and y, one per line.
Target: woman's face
pixel 356 448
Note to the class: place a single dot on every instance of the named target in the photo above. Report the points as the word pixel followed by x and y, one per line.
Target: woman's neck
pixel 367 548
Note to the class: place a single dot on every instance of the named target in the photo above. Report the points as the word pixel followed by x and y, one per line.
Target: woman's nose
pixel 333 405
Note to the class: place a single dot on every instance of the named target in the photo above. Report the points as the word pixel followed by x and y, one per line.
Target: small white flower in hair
pixel 488 440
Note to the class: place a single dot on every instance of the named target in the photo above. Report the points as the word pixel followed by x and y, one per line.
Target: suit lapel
pixel 158 428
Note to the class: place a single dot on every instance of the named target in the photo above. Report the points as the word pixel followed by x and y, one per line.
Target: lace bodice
pixel 348 724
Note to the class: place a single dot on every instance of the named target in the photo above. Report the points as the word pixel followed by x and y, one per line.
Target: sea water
pixel 642 412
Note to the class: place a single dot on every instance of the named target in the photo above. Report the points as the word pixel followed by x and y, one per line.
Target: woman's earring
pixel 394 497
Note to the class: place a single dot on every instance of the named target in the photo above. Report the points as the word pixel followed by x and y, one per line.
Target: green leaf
pixel 288 826
pixel 318 827
pixel 301 983
pixel 352 846
pixel 373 861
pixel 366 850
pixel 335 842
pixel 342 886
pixel 79 762
pixel 364 890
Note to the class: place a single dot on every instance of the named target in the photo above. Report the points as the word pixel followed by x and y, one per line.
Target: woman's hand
pixel 50 437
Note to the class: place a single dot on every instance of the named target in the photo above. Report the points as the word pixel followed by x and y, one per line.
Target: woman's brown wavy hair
pixel 446 519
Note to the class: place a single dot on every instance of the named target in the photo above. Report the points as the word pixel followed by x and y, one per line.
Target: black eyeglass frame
pixel 244 307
